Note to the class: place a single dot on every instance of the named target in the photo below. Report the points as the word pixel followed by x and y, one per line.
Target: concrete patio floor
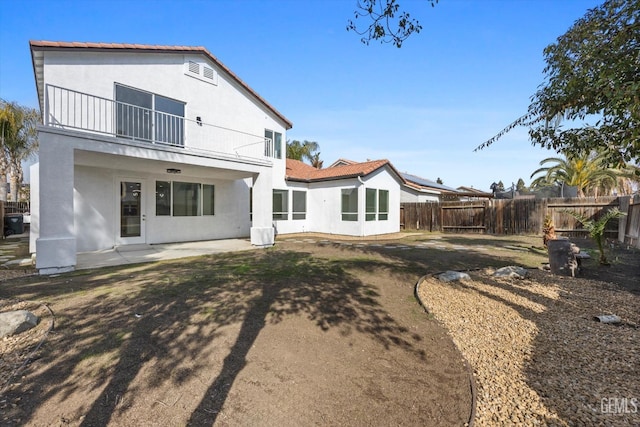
pixel 134 254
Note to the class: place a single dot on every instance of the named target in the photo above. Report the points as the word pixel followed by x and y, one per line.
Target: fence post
pixel 623 203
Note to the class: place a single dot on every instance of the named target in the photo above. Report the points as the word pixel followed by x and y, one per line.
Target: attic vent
pixel 198 70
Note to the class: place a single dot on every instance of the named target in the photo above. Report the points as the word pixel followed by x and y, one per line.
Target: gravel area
pixel 539 356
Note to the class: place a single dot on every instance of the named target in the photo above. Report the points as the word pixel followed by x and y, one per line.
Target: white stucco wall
pixel 87 219
pixel 324 206
pixel 96 207
pixel 34 192
pixel 96 217
pixel 78 192
pixel 231 218
pixel 290 225
pixel 409 195
pixel 225 104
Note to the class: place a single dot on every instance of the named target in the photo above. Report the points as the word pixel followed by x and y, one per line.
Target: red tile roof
pixel 299 171
pixel 50 45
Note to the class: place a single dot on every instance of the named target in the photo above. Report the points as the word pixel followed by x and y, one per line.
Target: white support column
pixel 262 232
pixel 56 244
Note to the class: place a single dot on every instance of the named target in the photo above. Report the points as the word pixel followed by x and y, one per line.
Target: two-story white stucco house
pixel 148 144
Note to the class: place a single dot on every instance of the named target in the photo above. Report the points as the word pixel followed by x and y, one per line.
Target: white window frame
pixel 298 215
pixel 370 213
pixel 276 142
pixel 172 192
pixel 349 215
pixel 281 215
pixel 383 215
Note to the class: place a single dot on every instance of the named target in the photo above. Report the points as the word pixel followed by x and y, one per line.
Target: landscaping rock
pixel 453 276
pixel 14 322
pixel 511 271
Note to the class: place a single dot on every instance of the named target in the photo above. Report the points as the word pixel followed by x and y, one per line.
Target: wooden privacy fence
pixel 630 233
pixel 521 216
pixel 15 207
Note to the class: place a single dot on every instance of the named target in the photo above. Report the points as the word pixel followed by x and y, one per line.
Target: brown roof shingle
pixel 299 171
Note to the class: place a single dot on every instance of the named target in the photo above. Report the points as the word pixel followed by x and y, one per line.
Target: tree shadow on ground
pixel 121 320
pixel 427 260
pixel 575 362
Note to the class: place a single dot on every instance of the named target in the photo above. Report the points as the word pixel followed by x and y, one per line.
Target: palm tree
pixel 596 229
pixel 18 142
pixel 302 150
pixel 316 162
pixel 628 180
pixel 587 173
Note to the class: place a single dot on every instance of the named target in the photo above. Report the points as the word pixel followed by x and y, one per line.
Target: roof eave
pixel 41 45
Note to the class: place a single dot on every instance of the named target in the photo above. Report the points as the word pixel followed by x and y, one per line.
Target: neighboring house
pixel 355 199
pixel 342 162
pixel 148 144
pixel 470 193
pixel 419 190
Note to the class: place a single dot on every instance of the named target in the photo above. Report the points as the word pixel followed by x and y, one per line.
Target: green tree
pixel 316 162
pixel 305 150
pixel 384 21
pixel 592 73
pixel 18 142
pixel 586 173
pixel 596 229
pixel 521 187
pixel 628 180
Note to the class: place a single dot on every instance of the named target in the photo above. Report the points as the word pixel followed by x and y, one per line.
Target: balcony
pixel 69 109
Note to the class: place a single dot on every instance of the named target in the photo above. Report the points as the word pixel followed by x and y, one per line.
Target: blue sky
pixel 425 107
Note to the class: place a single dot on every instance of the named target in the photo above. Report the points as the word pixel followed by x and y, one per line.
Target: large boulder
pixel 14 322
pixel 511 271
pixel 453 276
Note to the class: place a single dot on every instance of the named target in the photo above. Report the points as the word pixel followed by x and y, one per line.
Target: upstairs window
pixel 273 144
pixel 148 117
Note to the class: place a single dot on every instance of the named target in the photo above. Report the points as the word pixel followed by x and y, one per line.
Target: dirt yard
pixel 312 331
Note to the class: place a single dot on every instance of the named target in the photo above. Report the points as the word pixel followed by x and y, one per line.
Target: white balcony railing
pixel 69 109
